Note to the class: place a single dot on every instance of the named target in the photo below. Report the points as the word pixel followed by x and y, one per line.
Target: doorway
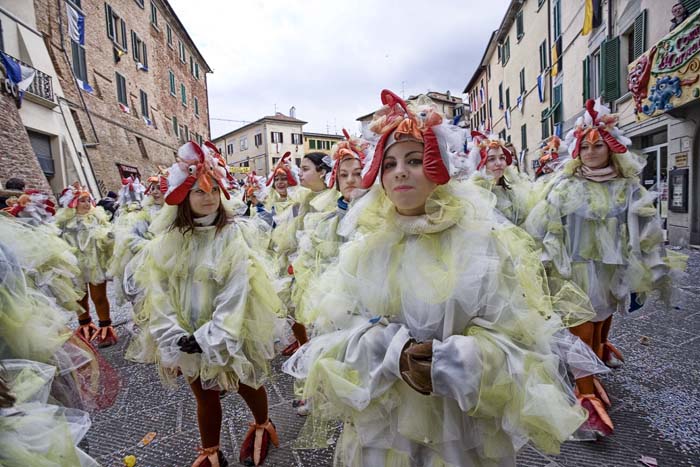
pixel 654 177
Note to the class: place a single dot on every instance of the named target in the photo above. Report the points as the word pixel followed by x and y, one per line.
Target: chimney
pixel 293 112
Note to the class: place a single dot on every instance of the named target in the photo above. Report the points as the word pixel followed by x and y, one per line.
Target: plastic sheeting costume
pixel 87 229
pixel 434 345
pixel 599 228
pixel 209 303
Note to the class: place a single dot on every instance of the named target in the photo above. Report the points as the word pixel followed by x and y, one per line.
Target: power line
pixel 229 120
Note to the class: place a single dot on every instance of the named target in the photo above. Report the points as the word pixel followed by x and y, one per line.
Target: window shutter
pixel 145 55
pixel 639 36
pixel 691 6
pixel 586 79
pixel 108 18
pixel 610 65
pixel 123 26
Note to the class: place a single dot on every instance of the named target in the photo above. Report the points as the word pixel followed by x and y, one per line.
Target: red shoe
pixel 598 419
pixel 210 457
pixel 256 443
pixel 106 336
pixel 290 349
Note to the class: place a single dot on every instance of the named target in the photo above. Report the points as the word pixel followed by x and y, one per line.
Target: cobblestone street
pixel 656 402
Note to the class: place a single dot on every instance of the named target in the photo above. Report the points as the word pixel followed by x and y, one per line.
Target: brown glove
pixel 415 365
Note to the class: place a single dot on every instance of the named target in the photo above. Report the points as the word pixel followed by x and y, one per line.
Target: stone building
pixel 136 89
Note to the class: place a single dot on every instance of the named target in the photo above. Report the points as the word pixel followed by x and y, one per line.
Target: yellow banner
pixel 239 170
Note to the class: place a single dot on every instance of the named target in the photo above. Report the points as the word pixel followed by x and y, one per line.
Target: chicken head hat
pixel 396 122
pixel 72 193
pixel 211 150
pixel 283 167
pixel 481 144
pixel 597 123
pixel 158 181
pixel 132 191
pixel 351 148
pixel 550 154
pixel 194 166
pixel 32 204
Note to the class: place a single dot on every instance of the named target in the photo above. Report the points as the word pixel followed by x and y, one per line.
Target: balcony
pixel 41 89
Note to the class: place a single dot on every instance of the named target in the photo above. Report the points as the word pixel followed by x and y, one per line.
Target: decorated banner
pixel 238 170
pixel 666 76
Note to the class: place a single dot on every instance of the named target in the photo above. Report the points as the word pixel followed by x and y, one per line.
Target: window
pixel 171 78
pixel 140 3
pixel 196 70
pixel 610 69
pixel 507 98
pixel 139 49
pixel 505 51
pixel 181 48
pixel 543 55
pixel 691 6
pixel 229 148
pixel 183 94
pixel 490 109
pixel 297 138
pixel 523 138
pixel 154 14
pixel 545 123
pixel 175 127
pixel 500 96
pixel 169 35
pixel 79 63
pixel 312 144
pixel 187 133
pixel 639 40
pixel 591 76
pixel 556 13
pixel 502 134
pixel 142 147
pixel 116 27
pixel 258 140
pixel 196 106
pixel 276 137
pixel 519 25
pixel 144 103
pixel 121 89
pixel 243 142
pixel 522 81
pixel 557 104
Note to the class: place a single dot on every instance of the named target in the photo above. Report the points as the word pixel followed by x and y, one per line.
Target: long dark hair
pixel 317 159
pixel 184 220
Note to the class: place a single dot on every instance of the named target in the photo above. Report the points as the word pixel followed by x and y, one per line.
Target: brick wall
pixel 121 137
pixel 17 157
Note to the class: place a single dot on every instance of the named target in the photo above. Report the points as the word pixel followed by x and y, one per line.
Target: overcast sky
pixel 330 59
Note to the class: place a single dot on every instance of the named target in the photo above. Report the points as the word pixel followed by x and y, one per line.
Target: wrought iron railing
pixel 42 85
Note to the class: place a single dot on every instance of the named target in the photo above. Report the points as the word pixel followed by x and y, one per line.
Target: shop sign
pixel 238 170
pixel 667 75
pixel 126 171
pixel 681 160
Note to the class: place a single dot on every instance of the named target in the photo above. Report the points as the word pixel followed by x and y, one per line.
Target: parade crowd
pixel 441 304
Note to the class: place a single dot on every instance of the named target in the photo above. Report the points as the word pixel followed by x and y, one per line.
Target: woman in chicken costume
pixel 495 172
pixel 284 180
pixel 433 343
pixel 211 309
pixel 319 247
pixel 87 229
pixel 599 228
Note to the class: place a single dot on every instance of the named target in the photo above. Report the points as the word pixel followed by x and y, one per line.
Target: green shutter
pixel 691 6
pixel 610 66
pixel 586 79
pixel 639 36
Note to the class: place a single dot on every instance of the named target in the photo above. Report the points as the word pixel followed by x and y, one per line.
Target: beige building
pixel 45 119
pixel 320 142
pixel 503 93
pixel 259 145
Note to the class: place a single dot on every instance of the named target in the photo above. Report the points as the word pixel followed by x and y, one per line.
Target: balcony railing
pixel 42 85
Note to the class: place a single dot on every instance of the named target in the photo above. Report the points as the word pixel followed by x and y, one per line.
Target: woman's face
pixel 496 163
pixel 203 203
pixel 84 205
pixel 349 177
pixel 310 177
pixel 156 195
pixel 595 155
pixel 403 178
pixel 281 184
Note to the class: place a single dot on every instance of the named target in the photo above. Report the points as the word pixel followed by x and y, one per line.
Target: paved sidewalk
pixel 656 402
